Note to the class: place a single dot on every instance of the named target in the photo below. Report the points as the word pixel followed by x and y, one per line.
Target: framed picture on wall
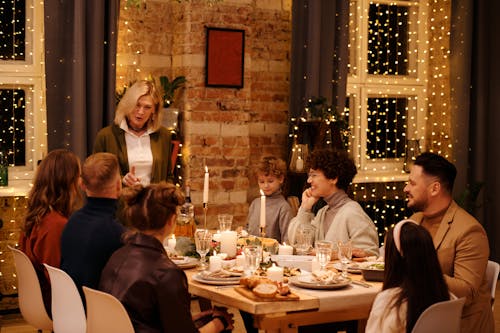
pixel 225 58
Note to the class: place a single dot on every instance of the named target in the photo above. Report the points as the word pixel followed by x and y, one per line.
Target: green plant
pixel 169 88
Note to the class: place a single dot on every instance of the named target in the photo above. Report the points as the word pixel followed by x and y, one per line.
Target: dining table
pixel 313 306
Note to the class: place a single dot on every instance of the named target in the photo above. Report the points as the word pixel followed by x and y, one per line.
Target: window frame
pixel 361 86
pixel 29 75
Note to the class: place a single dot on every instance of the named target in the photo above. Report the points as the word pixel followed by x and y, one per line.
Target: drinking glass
pixel 253 257
pixel 324 253
pixel 202 239
pixel 345 255
pixel 225 222
pixel 304 239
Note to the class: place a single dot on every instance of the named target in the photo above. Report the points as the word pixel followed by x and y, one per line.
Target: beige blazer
pixel 462 247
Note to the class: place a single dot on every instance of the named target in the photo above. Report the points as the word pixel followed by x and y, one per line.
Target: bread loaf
pixel 265 290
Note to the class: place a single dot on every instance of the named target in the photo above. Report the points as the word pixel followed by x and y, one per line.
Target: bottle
pixel 185 219
pixel 4 169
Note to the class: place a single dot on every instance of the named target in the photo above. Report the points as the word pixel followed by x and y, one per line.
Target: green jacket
pixel 111 139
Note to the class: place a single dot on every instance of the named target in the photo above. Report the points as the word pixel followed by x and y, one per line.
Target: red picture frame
pixel 225 55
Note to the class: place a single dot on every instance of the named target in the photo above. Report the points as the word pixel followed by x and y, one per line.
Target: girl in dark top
pixel 152 288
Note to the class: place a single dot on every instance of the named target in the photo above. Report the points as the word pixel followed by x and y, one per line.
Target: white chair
pixel 68 313
pixel 29 293
pixel 492 271
pixel 441 317
pixel 105 313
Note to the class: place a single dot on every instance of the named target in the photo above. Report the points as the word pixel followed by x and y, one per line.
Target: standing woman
pixel 152 288
pixel 54 196
pixel 413 280
pixel 136 137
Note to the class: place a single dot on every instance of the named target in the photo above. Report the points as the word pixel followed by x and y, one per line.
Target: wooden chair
pixel 492 271
pixel 29 293
pixel 441 317
pixel 105 313
pixel 68 313
pixel 294 203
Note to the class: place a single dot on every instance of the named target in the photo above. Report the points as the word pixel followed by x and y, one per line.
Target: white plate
pixel 189 262
pixel 355 267
pixel 220 282
pixel 306 282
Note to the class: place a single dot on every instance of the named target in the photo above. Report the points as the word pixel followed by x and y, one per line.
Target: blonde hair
pixel 100 171
pixel 129 102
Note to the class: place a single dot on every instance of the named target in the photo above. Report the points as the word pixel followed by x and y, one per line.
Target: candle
pixel 228 240
pixel 262 209
pixel 205 187
pixel 216 237
pixel 285 249
pixel 275 273
pixel 299 166
pixel 214 263
pixel 171 243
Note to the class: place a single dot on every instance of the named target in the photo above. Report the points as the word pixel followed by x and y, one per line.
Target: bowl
pixel 373 274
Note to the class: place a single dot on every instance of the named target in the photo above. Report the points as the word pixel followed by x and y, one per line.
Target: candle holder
pixel 205 209
pixel 263 231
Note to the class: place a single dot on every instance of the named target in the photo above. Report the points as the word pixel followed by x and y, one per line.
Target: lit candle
pixel 262 209
pixel 214 263
pixel 216 237
pixel 299 165
pixel 205 187
pixel 171 243
pixel 285 249
pixel 275 273
pixel 228 240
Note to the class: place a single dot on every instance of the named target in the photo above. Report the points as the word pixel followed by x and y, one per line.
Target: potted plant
pixel 169 88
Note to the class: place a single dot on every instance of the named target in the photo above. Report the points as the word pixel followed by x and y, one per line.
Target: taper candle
pixel 262 209
pixel 205 186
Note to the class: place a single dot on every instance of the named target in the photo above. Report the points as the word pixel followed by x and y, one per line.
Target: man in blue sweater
pixel 92 233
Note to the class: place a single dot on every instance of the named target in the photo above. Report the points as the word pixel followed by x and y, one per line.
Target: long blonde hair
pixel 129 101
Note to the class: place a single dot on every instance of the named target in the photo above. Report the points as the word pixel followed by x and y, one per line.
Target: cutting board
pixel 278 298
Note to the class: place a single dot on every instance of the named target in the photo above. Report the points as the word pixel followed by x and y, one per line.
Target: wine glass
pixel 203 239
pixel 253 257
pixel 345 255
pixel 304 239
pixel 323 253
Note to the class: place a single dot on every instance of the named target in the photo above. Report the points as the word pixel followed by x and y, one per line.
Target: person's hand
pixel 308 200
pixel 130 179
pixel 222 312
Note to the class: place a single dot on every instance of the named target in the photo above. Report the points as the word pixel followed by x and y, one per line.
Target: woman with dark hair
pixel 54 196
pixel 152 288
pixel 413 280
pixel 342 219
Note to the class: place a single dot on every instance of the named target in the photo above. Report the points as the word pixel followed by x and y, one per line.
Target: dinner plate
pixel 356 267
pixel 206 275
pixel 309 283
pixel 187 263
pixel 220 282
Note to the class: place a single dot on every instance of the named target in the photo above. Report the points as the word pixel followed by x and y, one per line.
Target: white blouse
pixel 139 154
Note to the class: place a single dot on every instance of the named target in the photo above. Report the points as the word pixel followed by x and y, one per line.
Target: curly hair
pixel 55 187
pixel 151 207
pixel 334 164
pixel 271 166
pixel 129 101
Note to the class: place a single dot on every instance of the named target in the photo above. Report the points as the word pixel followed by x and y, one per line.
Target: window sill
pixel 379 177
pixel 16 188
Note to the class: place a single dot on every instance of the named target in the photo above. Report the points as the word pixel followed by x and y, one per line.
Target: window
pixel 22 87
pixel 386 86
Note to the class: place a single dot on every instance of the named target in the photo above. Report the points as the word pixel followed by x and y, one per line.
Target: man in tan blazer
pixel 460 241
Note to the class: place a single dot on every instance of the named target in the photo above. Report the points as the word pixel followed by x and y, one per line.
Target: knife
pixel 361 283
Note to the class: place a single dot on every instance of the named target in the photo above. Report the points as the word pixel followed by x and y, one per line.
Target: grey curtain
pixel 80 54
pixel 319 52
pixel 475 86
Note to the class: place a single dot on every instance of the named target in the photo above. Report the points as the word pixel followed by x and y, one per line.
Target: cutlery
pixel 224 287
pixel 361 283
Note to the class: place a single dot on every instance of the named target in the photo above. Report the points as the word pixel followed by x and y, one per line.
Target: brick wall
pixel 228 129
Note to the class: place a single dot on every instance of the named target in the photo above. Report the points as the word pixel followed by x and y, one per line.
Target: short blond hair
pixel 129 101
pixel 99 171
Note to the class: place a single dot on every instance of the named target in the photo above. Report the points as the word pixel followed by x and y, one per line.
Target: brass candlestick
pixel 263 231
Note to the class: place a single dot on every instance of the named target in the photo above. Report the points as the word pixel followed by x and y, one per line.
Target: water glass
pixel 253 257
pixel 304 239
pixel 225 222
pixel 324 253
pixel 203 240
pixel 345 255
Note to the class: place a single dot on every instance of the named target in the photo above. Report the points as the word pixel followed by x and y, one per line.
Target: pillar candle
pixel 205 186
pixel 228 240
pixel 214 263
pixel 275 273
pixel 285 249
pixel 172 242
pixel 262 209
pixel 216 237
pixel 299 165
